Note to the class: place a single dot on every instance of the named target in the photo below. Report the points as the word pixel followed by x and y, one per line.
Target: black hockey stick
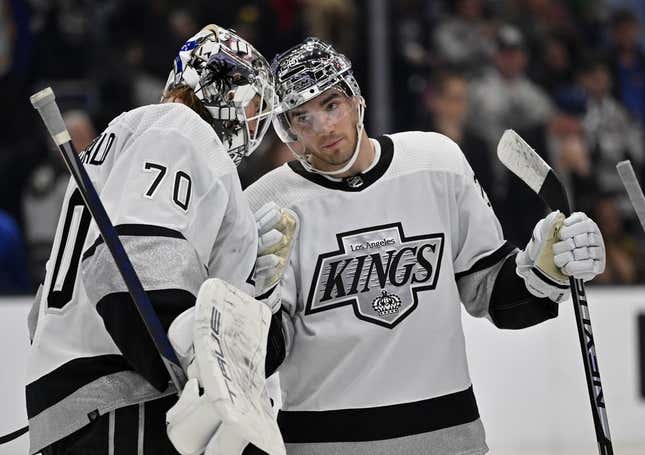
pixel 524 162
pixel 44 102
pixel 634 191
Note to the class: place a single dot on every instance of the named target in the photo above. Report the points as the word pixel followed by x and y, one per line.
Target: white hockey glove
pixel 229 337
pixel 580 253
pixel 561 248
pixel 277 231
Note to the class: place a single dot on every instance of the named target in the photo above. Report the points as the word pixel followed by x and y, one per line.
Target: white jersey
pixel 174 196
pixel 375 346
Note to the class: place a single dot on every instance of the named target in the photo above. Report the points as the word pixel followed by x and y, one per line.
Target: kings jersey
pixel 174 197
pixel 372 298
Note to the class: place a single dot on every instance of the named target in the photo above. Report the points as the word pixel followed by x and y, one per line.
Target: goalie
pixel 167 176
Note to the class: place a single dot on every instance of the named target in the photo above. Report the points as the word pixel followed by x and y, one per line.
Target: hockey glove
pixel 277 230
pixel 233 409
pixel 558 249
pixel 580 253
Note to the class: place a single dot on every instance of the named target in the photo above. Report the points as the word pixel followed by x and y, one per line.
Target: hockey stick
pixel 525 163
pixel 634 191
pixel 44 102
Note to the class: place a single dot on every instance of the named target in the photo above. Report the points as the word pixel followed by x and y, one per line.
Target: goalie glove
pixel 277 230
pixel 561 248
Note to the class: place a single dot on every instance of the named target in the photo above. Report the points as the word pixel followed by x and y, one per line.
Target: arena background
pixel 568 75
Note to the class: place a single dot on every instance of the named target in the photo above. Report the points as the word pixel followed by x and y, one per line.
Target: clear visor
pixel 317 116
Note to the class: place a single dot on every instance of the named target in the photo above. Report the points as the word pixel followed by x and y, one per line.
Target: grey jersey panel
pixel 466 439
pixel 96 398
pixel 476 288
pixel 160 263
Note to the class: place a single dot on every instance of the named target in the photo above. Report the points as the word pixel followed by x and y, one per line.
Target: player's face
pixel 326 128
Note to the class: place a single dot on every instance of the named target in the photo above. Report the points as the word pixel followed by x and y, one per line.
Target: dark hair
pixel 623 16
pixel 440 79
pixel 185 94
pixel 592 62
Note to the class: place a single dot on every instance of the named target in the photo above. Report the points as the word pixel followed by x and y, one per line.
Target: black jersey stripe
pixel 129 333
pixel 512 306
pixel 137 230
pixel 126 430
pixel 377 423
pixel 51 388
pixel 488 261
pixel 347 184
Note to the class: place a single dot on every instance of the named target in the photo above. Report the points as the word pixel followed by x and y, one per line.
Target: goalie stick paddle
pixel 44 102
pixel 524 162
pixel 634 191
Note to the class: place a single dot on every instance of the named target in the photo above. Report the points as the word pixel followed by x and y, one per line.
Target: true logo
pixel 378 271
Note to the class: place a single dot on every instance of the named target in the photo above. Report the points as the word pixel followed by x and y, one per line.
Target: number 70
pixel 181 188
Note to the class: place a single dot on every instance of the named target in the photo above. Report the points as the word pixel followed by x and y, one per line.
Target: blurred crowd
pixel 568 75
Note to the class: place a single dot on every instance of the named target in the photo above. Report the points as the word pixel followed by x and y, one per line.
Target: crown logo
pixel 386 303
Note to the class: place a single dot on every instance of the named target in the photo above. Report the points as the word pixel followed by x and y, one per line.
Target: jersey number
pixel 181 189
pixel 75 227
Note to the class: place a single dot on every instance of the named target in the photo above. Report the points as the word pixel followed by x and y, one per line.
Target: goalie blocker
pixel 229 337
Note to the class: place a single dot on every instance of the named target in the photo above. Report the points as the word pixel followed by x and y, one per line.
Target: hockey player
pixel 395 231
pixel 167 176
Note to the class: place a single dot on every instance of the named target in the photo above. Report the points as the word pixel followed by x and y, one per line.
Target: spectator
pixel 625 258
pixel 14 278
pixel 609 131
pixel 464 40
pixel 448 106
pixel 45 192
pixel 628 62
pixel 332 20
pixel 505 97
pixel 554 69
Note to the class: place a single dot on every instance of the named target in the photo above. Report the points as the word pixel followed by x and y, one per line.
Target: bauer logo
pixel 378 271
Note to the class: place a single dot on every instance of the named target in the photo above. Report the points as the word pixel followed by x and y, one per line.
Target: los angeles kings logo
pixel 377 270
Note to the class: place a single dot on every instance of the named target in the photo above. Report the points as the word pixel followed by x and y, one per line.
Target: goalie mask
pixel 233 81
pixel 303 73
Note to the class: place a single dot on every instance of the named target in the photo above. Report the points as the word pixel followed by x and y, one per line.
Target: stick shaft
pixel 592 370
pixel 634 191
pixel 554 194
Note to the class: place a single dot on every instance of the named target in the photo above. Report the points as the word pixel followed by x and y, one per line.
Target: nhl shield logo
pixel 378 271
pixel 355 181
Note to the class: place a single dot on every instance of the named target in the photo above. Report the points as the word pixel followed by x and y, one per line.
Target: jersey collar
pixel 356 182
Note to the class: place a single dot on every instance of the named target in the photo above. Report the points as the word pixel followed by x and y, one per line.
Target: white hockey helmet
pixel 301 74
pixel 228 75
